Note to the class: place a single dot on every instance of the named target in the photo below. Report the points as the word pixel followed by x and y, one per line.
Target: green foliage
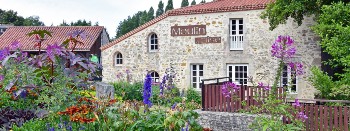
pixel 160 9
pixel 133 22
pixel 78 23
pixel 193 95
pixel 33 21
pixel 193 2
pixel 11 17
pixel 169 6
pixel 322 82
pixel 128 91
pixel 279 11
pixel 184 3
pixel 203 1
pixel 333 28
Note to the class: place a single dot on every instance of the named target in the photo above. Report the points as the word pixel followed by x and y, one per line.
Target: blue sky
pixel 107 12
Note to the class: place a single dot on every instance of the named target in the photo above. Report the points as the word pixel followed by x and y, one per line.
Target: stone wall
pixel 224 121
pixel 181 51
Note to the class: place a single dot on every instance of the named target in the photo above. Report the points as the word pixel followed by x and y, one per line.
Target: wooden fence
pixel 320 117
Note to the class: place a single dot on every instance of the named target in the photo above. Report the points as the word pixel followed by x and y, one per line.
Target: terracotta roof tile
pixel 59 34
pixel 215 6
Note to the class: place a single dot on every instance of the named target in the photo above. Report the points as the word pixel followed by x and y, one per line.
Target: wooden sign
pixel 204 40
pixel 191 30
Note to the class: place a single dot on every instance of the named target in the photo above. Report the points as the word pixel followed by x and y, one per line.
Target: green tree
pixel 81 23
pixel 33 21
pixel 150 14
pixel 169 6
pixel 64 23
pixel 77 23
pixel 160 9
pixel 203 1
pixel 332 25
pixel 184 3
pixel 193 2
pixel 11 17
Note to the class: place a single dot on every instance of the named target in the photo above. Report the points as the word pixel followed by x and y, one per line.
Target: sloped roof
pixel 59 34
pixel 215 6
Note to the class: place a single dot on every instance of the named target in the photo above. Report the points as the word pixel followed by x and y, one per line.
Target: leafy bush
pixel 128 91
pixel 9 117
pixel 193 95
pixel 322 82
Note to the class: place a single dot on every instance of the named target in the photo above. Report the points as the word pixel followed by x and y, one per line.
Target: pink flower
pixel 260 84
pixel 2 78
pixel 225 91
pixel 228 88
pixel 299 69
pixel 53 50
pixel 15 45
pixel 296 103
pixel 302 116
pixel 282 47
pixel 267 87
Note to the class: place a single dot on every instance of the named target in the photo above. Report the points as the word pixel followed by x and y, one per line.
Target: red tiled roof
pixel 215 6
pixel 59 34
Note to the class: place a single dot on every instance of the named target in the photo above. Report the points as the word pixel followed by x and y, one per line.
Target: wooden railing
pixel 214 100
pixel 320 117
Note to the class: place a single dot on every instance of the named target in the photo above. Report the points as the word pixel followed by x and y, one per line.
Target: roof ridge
pixel 55 26
pixel 182 11
pixel 136 30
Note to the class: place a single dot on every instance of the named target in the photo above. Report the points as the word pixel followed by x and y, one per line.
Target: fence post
pixel 203 95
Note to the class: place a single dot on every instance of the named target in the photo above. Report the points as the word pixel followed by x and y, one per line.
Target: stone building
pixel 216 39
pixel 97 36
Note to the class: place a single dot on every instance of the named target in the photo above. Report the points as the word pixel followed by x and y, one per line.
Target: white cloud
pixel 107 12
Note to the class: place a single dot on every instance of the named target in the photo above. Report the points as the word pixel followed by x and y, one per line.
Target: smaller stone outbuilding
pixel 97 36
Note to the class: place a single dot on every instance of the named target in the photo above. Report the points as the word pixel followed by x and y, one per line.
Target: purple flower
pixel 299 69
pixel 291 65
pixel 15 45
pixel 229 87
pixel 302 116
pixel 296 103
pixel 282 47
pixel 225 91
pixel 290 52
pixel 2 78
pixel 260 84
pixel 53 50
pixel 147 90
pixel 4 53
pixel 174 106
pixel 119 75
pixel 162 84
pixel 267 87
pixel 77 33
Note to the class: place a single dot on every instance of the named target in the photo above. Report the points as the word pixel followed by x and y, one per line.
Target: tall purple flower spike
pixel 147 90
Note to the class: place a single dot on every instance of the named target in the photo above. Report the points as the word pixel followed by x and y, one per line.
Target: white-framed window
pixel 155 77
pixel 196 75
pixel 118 59
pixel 236 34
pixel 289 79
pixel 153 42
pixel 238 73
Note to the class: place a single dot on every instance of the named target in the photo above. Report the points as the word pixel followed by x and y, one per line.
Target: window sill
pixel 236 49
pixel 153 51
pixel 119 65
